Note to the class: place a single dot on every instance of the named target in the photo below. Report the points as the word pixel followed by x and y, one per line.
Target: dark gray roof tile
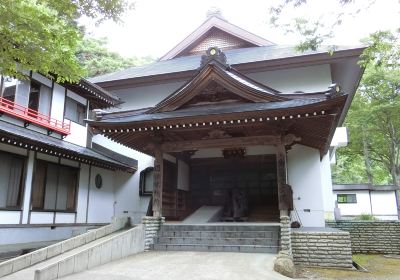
pixel 187 63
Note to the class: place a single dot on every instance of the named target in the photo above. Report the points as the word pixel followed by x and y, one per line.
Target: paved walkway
pixel 185 265
pixel 29 272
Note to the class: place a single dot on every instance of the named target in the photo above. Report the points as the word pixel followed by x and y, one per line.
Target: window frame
pixel 142 181
pixel 345 199
pixel 79 104
pixel 43 194
pixel 22 183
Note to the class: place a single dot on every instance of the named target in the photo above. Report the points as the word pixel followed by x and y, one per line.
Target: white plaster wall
pixel 41 217
pixel 82 201
pixel 65 218
pixel 327 192
pixel 78 134
pixel 57 103
pixel 340 138
pixel 101 201
pixel 9 217
pixel 363 205
pixel 384 203
pixel 304 175
pixel 145 96
pixel 306 79
pixel 128 201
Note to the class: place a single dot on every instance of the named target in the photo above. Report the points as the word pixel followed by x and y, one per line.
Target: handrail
pixel 32 116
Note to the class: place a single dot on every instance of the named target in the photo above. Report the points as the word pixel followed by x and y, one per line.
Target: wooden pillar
pixel 281 168
pixel 158 182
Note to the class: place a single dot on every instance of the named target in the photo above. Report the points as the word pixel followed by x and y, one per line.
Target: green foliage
pixel 97 60
pixel 373 119
pixel 42 35
pixel 365 217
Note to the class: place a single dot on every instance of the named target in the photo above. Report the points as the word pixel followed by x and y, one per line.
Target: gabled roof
pixel 207 32
pixel 268 56
pixel 217 82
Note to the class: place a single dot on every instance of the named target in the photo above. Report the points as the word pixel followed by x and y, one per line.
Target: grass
pixel 378 266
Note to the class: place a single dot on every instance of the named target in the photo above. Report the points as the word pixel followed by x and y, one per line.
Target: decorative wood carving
pixel 233 142
pixel 217 134
pixel 158 182
pixel 213 53
pixel 234 152
pixel 290 139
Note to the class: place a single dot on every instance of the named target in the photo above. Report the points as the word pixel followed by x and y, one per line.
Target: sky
pixel 154 27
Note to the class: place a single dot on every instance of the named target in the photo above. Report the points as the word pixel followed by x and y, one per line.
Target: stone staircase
pixel 246 238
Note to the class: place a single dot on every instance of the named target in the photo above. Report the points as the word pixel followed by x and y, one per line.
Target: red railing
pixel 32 116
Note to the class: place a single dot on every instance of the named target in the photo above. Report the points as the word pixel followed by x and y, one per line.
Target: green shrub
pixel 365 217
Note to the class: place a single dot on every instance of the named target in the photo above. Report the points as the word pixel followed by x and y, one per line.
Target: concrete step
pixel 217 241
pixel 216 248
pixel 220 234
pixel 220 227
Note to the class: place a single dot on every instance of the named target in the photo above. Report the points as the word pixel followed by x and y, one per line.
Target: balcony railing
pixel 31 116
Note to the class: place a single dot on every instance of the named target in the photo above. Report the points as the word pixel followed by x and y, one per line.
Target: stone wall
pixel 321 248
pixel 151 226
pixel 379 237
pixel 286 235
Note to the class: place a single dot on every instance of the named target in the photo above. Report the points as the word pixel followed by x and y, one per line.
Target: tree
pixel 42 35
pixel 317 25
pixel 96 59
pixel 373 118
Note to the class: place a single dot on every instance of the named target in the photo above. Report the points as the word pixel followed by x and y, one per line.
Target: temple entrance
pixel 245 187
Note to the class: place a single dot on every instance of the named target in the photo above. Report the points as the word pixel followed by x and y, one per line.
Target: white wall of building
pixel 384 204
pixel 145 96
pixel 304 175
pixel 381 204
pixel 10 217
pixel 78 134
pixel 326 184
pixel 128 201
pixel 101 201
pixel 306 79
pixel 57 102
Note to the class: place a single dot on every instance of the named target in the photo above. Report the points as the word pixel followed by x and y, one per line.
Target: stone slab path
pixel 185 265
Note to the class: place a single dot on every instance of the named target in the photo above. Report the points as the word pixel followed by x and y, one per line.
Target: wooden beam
pixel 158 182
pixel 233 142
pixel 281 169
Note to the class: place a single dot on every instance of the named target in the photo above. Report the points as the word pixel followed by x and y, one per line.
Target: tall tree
pixel 42 35
pixel 96 59
pixel 373 118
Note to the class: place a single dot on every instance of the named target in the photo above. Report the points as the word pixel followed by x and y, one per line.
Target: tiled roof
pixel 31 137
pixel 208 110
pixel 234 57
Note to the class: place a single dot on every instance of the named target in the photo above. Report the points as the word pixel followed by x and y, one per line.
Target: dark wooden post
pixel 158 182
pixel 281 168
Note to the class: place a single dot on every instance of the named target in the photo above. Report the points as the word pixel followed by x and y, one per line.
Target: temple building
pixel 226 127
pixel 231 120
